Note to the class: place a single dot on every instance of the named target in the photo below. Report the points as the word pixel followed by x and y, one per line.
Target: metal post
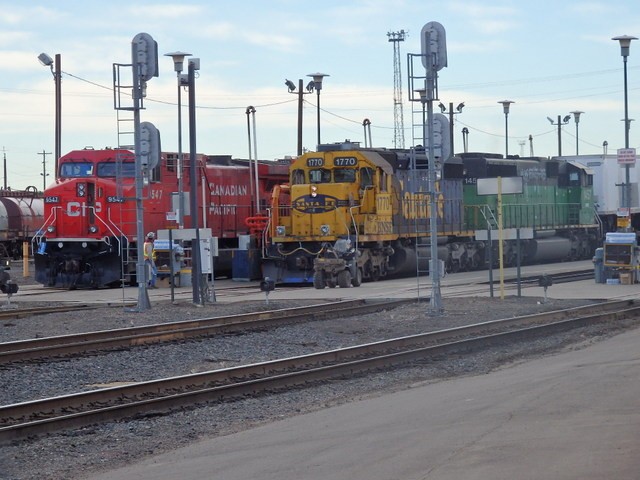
pixel 300 100
pixel 505 107
pixel 179 166
pixel 141 270
pixel 195 246
pixel 559 136
pixel 4 165
pixel 506 135
pixel 58 81
pixel 251 187
pixel 178 63
pixel 451 127
pixel 436 299
pixel 627 178
pixel 318 116
pixel 255 161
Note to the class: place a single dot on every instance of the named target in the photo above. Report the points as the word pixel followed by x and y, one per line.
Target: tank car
pixel 351 214
pixel 21 214
pixel 88 236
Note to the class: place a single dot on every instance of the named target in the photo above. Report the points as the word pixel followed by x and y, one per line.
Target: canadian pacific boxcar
pixel 88 237
pixel 351 214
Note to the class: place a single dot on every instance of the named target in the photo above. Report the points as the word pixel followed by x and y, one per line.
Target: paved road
pixel 574 415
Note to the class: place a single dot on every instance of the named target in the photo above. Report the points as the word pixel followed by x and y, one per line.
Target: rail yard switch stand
pixel 267 285
pixel 545 281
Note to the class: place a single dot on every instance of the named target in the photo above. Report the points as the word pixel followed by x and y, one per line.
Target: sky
pixel 550 58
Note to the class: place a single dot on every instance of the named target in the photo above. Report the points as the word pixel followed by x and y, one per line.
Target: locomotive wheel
pixel 318 280
pixel 357 280
pixel 344 279
pixel 375 275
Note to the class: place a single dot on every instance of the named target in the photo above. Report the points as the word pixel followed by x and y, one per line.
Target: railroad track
pixel 160 396
pixel 31 311
pixel 93 342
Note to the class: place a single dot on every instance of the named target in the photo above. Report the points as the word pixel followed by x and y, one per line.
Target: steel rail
pixel 27 418
pixel 31 311
pixel 91 342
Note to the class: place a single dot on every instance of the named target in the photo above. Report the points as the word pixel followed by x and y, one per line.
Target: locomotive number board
pixel 345 161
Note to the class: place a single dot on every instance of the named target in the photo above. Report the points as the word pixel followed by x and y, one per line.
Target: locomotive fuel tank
pixel 549 249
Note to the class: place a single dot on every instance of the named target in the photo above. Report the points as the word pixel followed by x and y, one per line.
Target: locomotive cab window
pixel 113 169
pixel 344 175
pixel 366 177
pixel 76 170
pixel 320 175
pixel 297 177
pixel 383 182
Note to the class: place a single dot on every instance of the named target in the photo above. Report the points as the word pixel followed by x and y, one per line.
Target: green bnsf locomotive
pixel 351 214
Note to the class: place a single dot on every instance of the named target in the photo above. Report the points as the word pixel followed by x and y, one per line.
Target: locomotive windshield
pixel 320 175
pixel 113 169
pixel 344 175
pixel 75 170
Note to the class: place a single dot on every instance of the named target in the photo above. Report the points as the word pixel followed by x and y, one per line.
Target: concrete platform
pixel 231 291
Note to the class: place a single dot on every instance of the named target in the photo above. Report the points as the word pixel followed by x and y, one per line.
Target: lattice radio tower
pixel 398 115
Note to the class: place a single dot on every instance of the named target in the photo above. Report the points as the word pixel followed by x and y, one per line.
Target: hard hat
pixel 151 235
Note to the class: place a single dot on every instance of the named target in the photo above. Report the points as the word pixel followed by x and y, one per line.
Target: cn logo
pixel 77 209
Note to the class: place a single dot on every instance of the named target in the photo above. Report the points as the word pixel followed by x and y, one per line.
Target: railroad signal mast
pixel 398 115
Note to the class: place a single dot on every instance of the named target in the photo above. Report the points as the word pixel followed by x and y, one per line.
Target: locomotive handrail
pixel 41 232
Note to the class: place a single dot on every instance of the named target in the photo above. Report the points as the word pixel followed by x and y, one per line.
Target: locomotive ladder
pixel 125 126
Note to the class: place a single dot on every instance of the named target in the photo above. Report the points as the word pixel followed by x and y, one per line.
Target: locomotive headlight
pixel 324 229
pixel 314 190
pixel 93 229
pixel 51 229
pixel 281 230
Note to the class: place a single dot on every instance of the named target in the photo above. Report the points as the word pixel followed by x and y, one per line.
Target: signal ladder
pixel 124 107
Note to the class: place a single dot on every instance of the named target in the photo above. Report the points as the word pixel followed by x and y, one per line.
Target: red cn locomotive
pixel 88 238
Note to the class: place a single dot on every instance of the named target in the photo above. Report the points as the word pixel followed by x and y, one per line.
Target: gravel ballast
pixel 80 453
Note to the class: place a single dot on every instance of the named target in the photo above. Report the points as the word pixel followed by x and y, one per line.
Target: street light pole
pixel 56 71
pixel 178 63
pixel 451 113
pixel 292 89
pixel 576 117
pixel 505 106
pixel 625 43
pixel 561 121
pixel 317 83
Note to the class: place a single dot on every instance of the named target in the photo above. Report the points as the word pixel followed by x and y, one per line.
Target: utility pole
pixel 398 115
pixel 4 165
pixel 44 170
